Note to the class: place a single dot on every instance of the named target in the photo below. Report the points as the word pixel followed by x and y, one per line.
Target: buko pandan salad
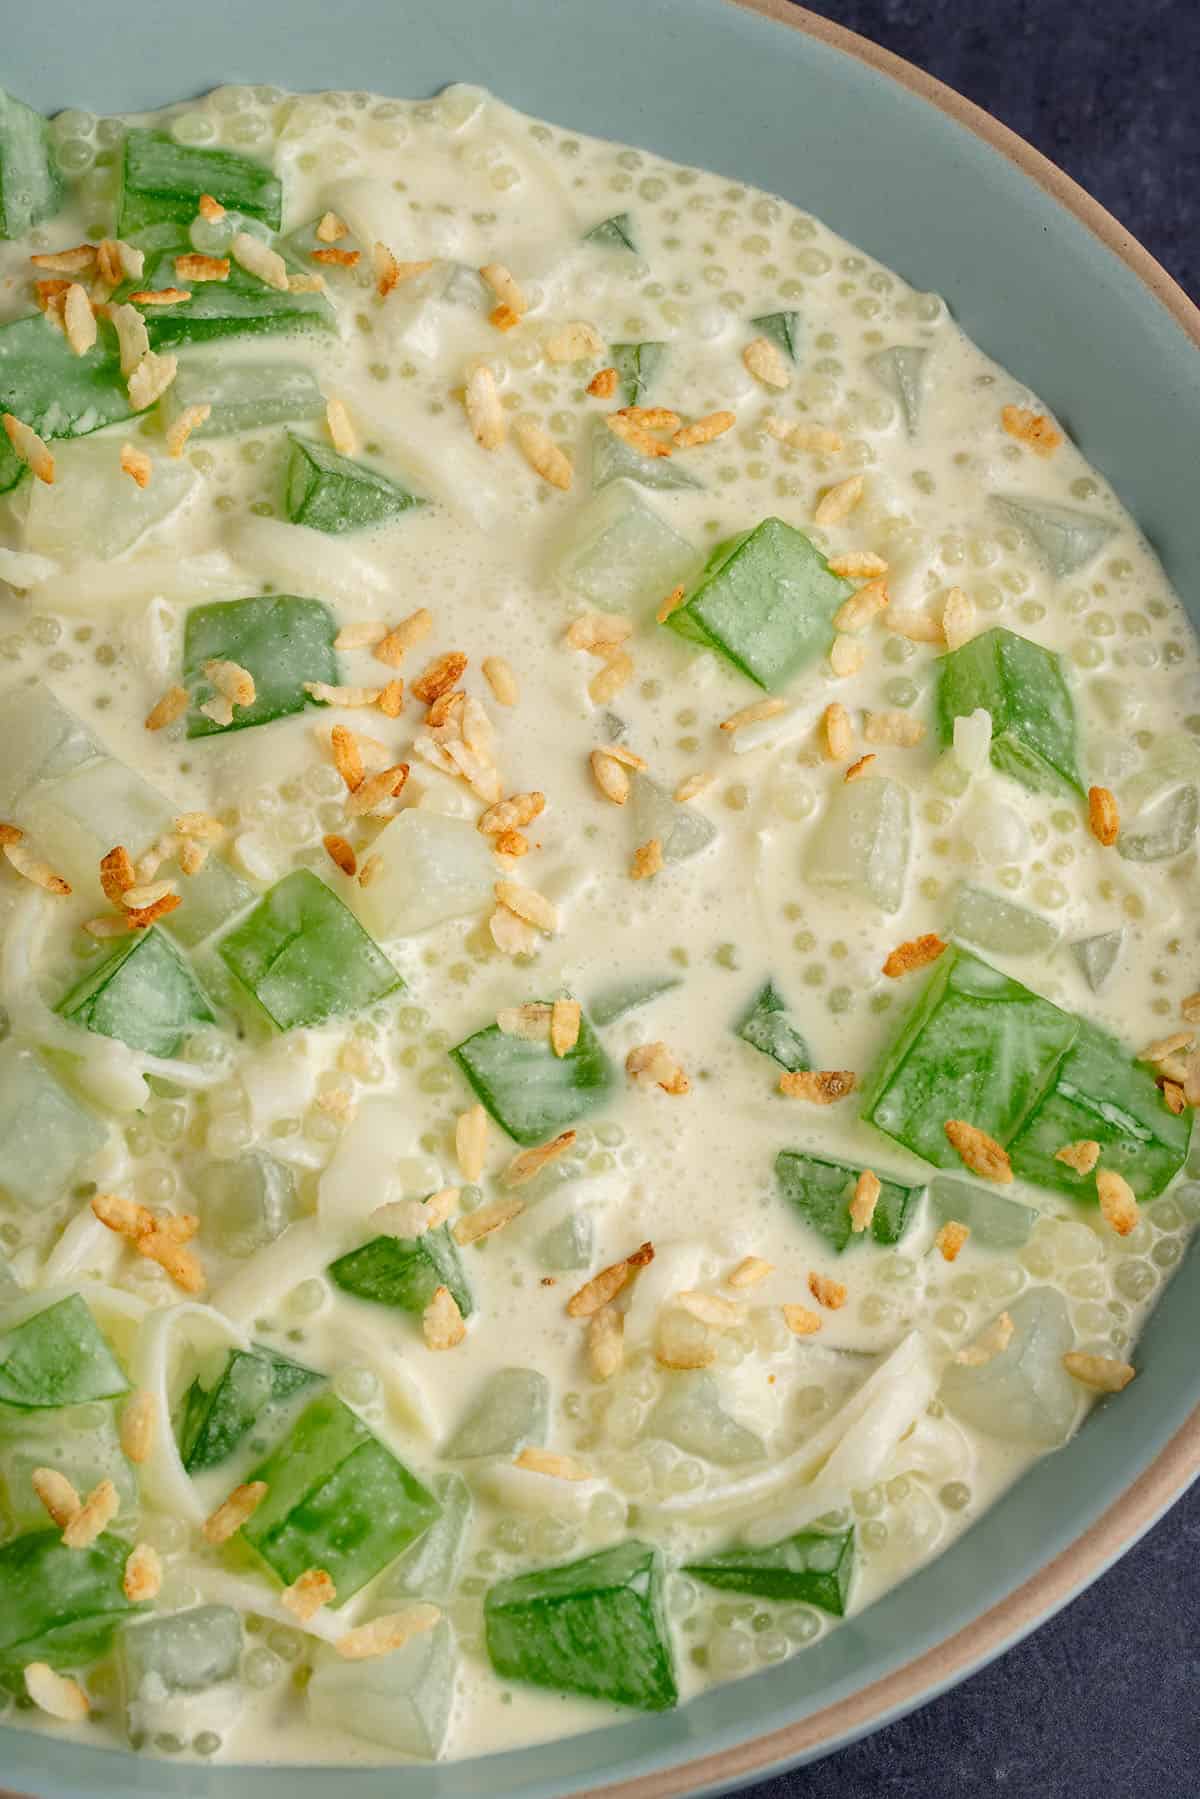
pixel 598 820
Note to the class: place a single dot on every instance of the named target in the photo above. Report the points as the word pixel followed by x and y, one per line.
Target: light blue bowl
pixel 1055 290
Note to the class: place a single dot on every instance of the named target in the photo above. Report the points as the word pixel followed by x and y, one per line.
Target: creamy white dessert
pixel 598 934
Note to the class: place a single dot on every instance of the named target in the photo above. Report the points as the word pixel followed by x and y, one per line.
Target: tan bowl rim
pixel 1177 1464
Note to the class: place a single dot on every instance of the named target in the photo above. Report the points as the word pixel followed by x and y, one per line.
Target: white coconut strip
pixel 325 568
pixel 303 1250
pixel 23 568
pixel 129 581
pixel 85 1244
pixel 246 1593
pixel 521 1490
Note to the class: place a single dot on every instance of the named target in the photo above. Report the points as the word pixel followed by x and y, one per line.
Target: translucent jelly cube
pixel 333 493
pixel 901 369
pixel 58 1357
pixel 766 601
pixel 621 555
pixel 143 993
pixel 691 1416
pixel 569 1244
pixel 809 1568
pixel 993 1220
pixel 1023 688
pixel 681 830
pixel 247 1202
pixel 1097 956
pixel 1065 539
pixel 402 1700
pixel 864 842
pixel 283 642
pixel 431 868
pixel 93 508
pixel 821 1191
pixel 595 1626
pixel 613 460
pixel 614 1001
pixel 45 1130
pixel 42 740
pixel 404 1272
pixel 80 1442
pixel 512 1410
pixel 60 1605
pixel 336 1499
pixel 636 366
pixel 242 396
pixel 182 1653
pixel 162 179
pixel 530 1092
pixel 304 956
pixel 430 1569
pixel 1166 829
pixel 616 233
pixel 1023 1394
pixel 1099 1092
pixel 976 1046
pixel 992 922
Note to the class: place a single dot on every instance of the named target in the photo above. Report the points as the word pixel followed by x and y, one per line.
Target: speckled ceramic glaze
pixel 1058 293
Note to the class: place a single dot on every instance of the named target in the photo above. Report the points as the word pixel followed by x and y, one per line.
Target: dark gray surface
pixel 1104 1701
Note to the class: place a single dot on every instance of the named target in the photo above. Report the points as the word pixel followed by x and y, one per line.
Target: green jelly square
pixel 336 1499
pixel 404 1272
pixel 1100 1092
pixel 163 179
pixel 30 187
pixel 333 493
pixel 60 1605
pixel 766 600
pixel 239 306
pixel 305 957
pixel 216 1419
pixel 595 1626
pixel 144 994
pixel 783 329
pixel 821 1191
pixel 810 1568
pixel 616 233
pixel 767 1026
pixel 977 1046
pixel 636 366
pixel 283 642
pixel 48 387
pixel 60 1356
pixel 1023 688
pixel 530 1092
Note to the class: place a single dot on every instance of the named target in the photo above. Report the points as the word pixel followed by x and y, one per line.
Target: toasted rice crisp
pixel 720 1314
pixel 1118 1203
pixel 550 1462
pixel 1034 429
pixel 802 1321
pixel 93 1517
pixel 528 1162
pixel 173 704
pixel 79 321
pixel 898 728
pixel 32 868
pixel 980 1153
pixel 341 854
pixel 57 1494
pixel 259 260
pixel 753 714
pixel 151 379
pixel 470 1142
pixel 610 777
pixel 864 1199
pixel 575 342
pixel 383 1635
pixel 863 606
pixel 958 619
pixel 1104 819
pixel 542 453
pixel 505 288
pixel 605 1286
pixel 498 674
pixel 486 1220
pixel 603 384
pixel 750 1271
pixel 195 267
pixel 647 860
pixel 56 1694
pixel 992 1341
pixel 836 732
pixel 143 1574
pixel 136 464
pixel 917 952
pixel 1102 1373
pixel 485 414
pixel 950 1239
pixel 529 905
pixel 29 448
pixel 765 361
pixel 704 430
pixel 137 1426
pixel 826 1291
pixel 308 1593
pixel 441 1322
pixel 847 656
pixel 653 1065
pixel 565 1020
pixel 821 1087
pixel 605 1343
pixel 862 767
pixel 1081 1156
pixel 838 502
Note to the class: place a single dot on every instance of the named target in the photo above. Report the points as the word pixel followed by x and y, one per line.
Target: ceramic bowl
pixel 1055 290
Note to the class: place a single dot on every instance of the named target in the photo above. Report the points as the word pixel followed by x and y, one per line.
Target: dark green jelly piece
pixel 60 1605
pixel 783 329
pixel 616 233
pixel 404 1272
pixel 812 1567
pixel 1101 1093
pixel 993 1220
pixel 283 642
pixel 595 1626
pixel 821 1191
pixel 58 1357
pixel 977 1046
pixel 48 387
pixel 217 1418
pixel 144 994
pixel 1024 689
pixel 334 493
pixel 239 306
pixel 162 179
pixel 336 1499
pixel 305 957
pixel 636 366
pixel 765 600
pixel 766 1026
pixel 530 1092
pixel 30 188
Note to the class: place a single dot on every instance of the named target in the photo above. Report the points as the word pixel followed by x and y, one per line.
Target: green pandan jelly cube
pixel 765 600
pixel 144 993
pixel 45 1131
pixel 60 1605
pixel 217 1418
pixel 237 307
pixel 993 1220
pixel 512 1410
pixel 283 642
pixel 59 394
pixel 619 997
pixel 30 188
pixel 1097 956
pixel 163 179
pixel 243 396
pixel 333 493
pixel 783 329
pixel 976 1046
pixel 810 1568
pixel 1022 686
pixel 60 1356
pixel 616 233
pixel 821 1191
pixel 1100 1092
pixel 404 1272
pixel 530 1092
pixel 766 1026
pixel 636 366
pixel 336 1499
pixel 305 957
pixel 595 1626
pixel 431 1568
